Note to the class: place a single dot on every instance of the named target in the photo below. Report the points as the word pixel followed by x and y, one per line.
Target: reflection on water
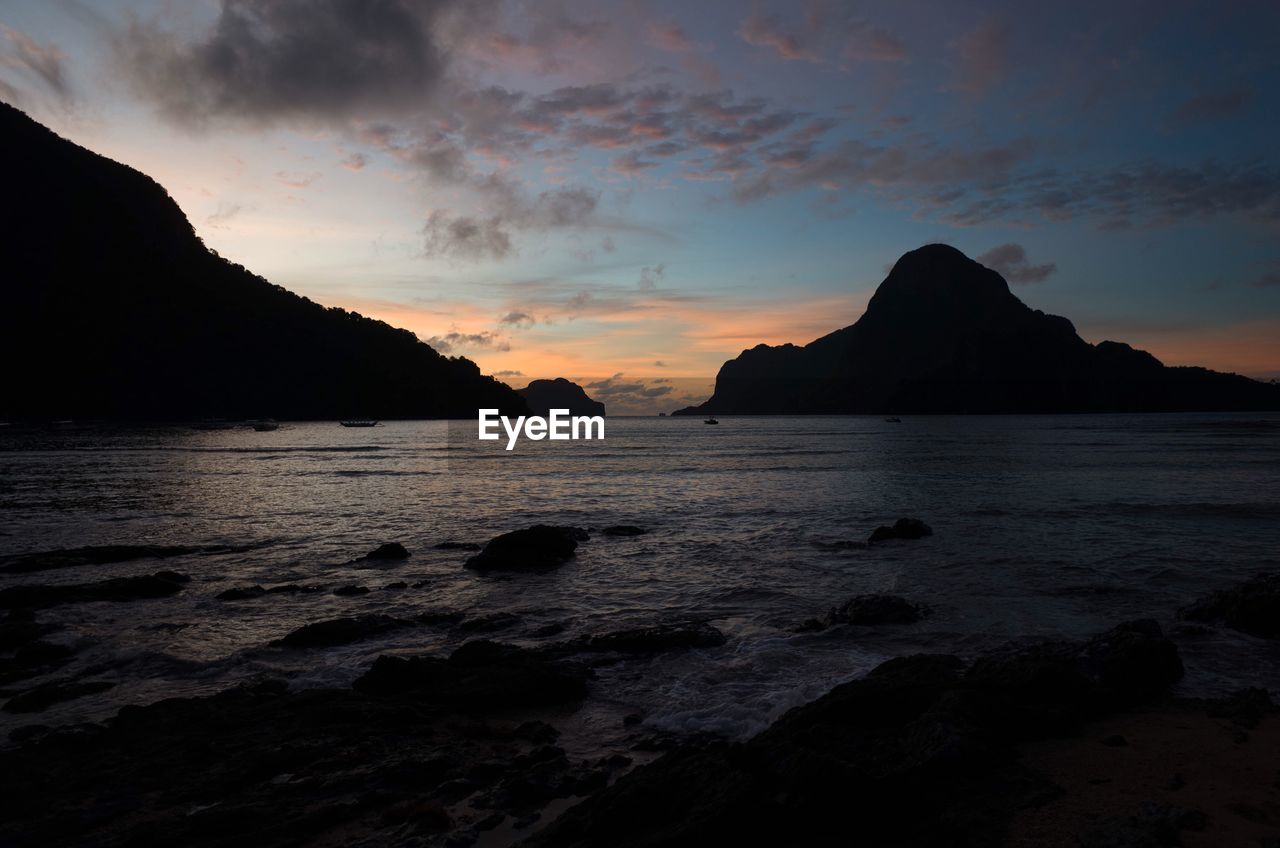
pixel 1043 526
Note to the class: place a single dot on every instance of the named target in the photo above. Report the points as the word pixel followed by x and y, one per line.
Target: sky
pixel 627 194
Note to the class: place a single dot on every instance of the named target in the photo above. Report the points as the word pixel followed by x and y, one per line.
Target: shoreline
pixel 928 749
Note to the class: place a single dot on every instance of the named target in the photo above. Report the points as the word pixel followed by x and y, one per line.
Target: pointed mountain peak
pixel 940 279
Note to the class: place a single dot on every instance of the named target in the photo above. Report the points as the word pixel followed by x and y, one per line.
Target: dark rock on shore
pixel 265 766
pixel 20 627
pixel 340 631
pixel 32 659
pixel 47 694
pixel 246 593
pixel 918 753
pixel 903 528
pixel 480 675
pixel 538 548
pixel 623 530
pixel 138 587
pixel 662 637
pixel 389 551
pixel 104 555
pixel 868 610
pixel 350 591
pixel 1253 607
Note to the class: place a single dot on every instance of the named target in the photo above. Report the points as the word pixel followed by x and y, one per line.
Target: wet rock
pixel 32 659
pixel 480 675
pixel 457 546
pixel 1253 607
pixel 20 628
pixel 242 593
pixel 1245 707
pixel 44 696
pixel 489 623
pixel 868 610
pixel 538 548
pixel 645 640
pixel 623 530
pixel 139 587
pixel 247 593
pixel 918 752
pixel 903 528
pixel 340 631
pixel 399 584
pixel 350 590
pixel 388 551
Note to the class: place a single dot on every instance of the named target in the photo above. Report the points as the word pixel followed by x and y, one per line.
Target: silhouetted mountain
pixel 944 334
pixel 544 395
pixel 111 306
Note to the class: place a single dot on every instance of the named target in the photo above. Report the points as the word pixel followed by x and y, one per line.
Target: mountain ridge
pixel 117 310
pixel 945 334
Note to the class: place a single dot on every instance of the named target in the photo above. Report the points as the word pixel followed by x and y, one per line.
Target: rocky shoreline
pixel 1071 743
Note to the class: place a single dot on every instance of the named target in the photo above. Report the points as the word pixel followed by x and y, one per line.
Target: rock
pixel 399 584
pixel 388 551
pixel 243 593
pixel 340 631
pixel 20 628
pixel 480 675
pixel 545 395
pixel 139 587
pixel 489 623
pixel 918 752
pixel 903 528
pixel 644 640
pixel 1252 607
pixel 868 610
pixel 247 593
pixel 350 590
pixel 623 530
pixel 46 695
pixel 538 548
pixel 31 659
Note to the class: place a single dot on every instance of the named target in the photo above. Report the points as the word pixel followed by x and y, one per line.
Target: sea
pixel 1043 527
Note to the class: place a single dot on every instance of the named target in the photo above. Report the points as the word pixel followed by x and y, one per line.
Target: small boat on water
pixel 359 423
pixel 893 420
pixel 266 426
pixel 711 420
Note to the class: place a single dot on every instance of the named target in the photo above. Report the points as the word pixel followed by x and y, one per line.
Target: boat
pixel 359 423
pixel 711 420
pixel 893 420
pixel 266 426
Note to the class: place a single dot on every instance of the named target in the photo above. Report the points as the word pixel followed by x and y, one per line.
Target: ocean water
pixel 1044 526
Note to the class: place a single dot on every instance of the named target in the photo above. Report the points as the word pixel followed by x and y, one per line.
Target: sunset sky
pixel 627 194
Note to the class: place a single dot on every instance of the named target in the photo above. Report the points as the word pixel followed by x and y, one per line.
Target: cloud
pixel 297 180
pixel 224 213
pixel 982 58
pixel 671 38
pixel 522 320
pixel 1010 261
pixel 658 363
pixel 1211 107
pixel 355 162
pixel 508 373
pixel 632 392
pixel 769 31
pixel 306 61
pixel 649 277
pixel 452 341
pixel 471 237
pixel 44 61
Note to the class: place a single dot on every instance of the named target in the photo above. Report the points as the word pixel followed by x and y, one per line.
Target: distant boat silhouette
pixel 893 420
pixel 711 420
pixel 266 426
pixel 359 423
